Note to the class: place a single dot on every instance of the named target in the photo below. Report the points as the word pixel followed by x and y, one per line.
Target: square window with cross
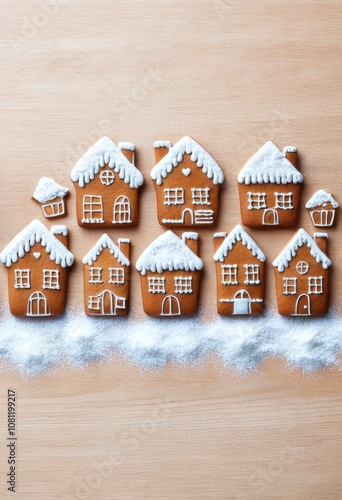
pixel 289 286
pixel 229 274
pixel 116 275
pixel 183 284
pixel 174 196
pixel 95 275
pixel 283 201
pixel 315 285
pixel 200 196
pixel 22 278
pixel 256 201
pixel 51 279
pixel 156 285
pixel 252 275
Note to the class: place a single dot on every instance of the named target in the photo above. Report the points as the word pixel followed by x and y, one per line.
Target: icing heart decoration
pixel 186 171
pixel 36 255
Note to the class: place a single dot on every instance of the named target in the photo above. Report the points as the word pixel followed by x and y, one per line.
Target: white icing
pixel 128 146
pixel 168 252
pixel 220 235
pixel 104 152
pixel 290 251
pixel 321 235
pixel 186 171
pixel 36 232
pixel 162 144
pixel 269 164
pixel 59 229
pixel 202 158
pixel 48 189
pixel 238 234
pixel 105 242
pixel 321 197
pixel 37 255
pixel 290 149
pixel 189 236
pixel 124 240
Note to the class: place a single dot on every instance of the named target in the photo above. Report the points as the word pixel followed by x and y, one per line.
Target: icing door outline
pixel 37 305
pixel 303 305
pixel 190 212
pixel 170 306
pixel 270 217
pixel 242 302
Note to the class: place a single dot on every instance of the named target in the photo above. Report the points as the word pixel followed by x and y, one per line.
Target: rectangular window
pixel 22 278
pixel 256 201
pixel 315 285
pixel 229 274
pixel 95 275
pixel 92 209
pixel 200 196
pixel 120 303
pixel 174 196
pixel 252 276
pixel 116 275
pixel 51 279
pixel 183 285
pixel 94 303
pixel 156 285
pixel 283 201
pixel 289 286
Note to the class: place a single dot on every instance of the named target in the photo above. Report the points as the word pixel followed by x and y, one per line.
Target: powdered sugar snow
pixel 34 347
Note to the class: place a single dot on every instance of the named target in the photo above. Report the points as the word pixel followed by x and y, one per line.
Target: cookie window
pixel 315 285
pixel 283 201
pixel 252 276
pixel 116 275
pixel 156 285
pixel 302 267
pixel 51 279
pixel 107 177
pixel 200 196
pixel 92 209
pixel 95 275
pixel 94 303
pixel 183 284
pixel 290 286
pixel 174 196
pixel 22 278
pixel 229 274
pixel 256 201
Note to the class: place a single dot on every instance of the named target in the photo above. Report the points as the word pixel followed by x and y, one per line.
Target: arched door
pixel 188 216
pixel 37 305
pixel 303 305
pixel 242 302
pixel 170 306
pixel 122 210
pixel 270 217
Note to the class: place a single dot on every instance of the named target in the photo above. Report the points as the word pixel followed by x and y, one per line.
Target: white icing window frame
pixel 302 267
pixel 315 285
pixel 252 274
pixel 122 210
pixel 120 303
pixel 95 275
pixel 51 279
pixel 200 196
pixel 283 201
pixel 22 278
pixel 183 284
pixel 94 303
pixel 256 201
pixel 107 177
pixel 229 274
pixel 156 285
pixel 173 196
pixel 116 275
pixel 92 209
pixel 290 286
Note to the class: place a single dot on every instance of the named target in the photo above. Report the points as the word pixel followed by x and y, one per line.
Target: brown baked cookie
pixel 106 269
pixel 170 272
pixel 187 182
pixel 302 276
pixel 107 184
pixel 50 196
pixel 240 273
pixel 269 188
pixel 38 262
pixel 322 208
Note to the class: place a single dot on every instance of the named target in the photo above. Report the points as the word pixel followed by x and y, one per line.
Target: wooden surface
pixel 232 74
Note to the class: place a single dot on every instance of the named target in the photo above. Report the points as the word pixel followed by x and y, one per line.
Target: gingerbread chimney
pixel 161 148
pixel 61 233
pixel 321 239
pixel 218 240
pixel 127 148
pixel 191 240
pixel 291 154
pixel 125 246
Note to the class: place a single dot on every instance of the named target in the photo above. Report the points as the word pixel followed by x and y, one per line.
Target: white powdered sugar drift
pixel 33 346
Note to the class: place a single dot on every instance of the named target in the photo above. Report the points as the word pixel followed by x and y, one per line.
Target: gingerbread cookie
pixel 240 273
pixel 302 276
pixel 170 272
pixel 322 208
pixel 269 188
pixel 107 184
pixel 38 262
pixel 50 195
pixel 106 278
pixel 187 182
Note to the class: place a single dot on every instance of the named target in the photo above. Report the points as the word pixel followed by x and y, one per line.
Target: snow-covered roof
pixel 290 251
pixel 48 189
pixel 200 156
pixel 59 229
pixel 168 252
pixel 105 242
pixel 237 234
pixel 36 232
pixel 269 164
pixel 321 197
pixel 105 152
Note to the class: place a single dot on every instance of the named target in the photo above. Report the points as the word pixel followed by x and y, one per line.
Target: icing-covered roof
pixel 36 232
pixel 106 242
pixel 290 251
pixel 321 197
pixel 168 253
pixel 200 156
pixel 269 164
pixel 48 189
pixel 105 152
pixel 237 234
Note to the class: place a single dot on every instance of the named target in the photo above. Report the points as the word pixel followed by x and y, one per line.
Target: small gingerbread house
pixel 50 195
pixel 269 188
pixel 187 182
pixel 170 272
pixel 302 276
pixel 37 262
pixel 106 277
pixel 240 273
pixel 107 184
pixel 322 208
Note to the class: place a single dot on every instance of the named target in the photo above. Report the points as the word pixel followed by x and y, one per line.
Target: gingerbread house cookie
pixel 50 196
pixel 170 272
pixel 322 208
pixel 187 182
pixel 107 185
pixel 240 273
pixel 302 276
pixel 38 262
pixel 106 277
pixel 269 188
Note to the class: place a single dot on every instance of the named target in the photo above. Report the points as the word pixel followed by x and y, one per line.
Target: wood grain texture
pixel 232 74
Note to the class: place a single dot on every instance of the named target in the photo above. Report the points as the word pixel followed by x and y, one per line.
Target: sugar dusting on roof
pixel 237 234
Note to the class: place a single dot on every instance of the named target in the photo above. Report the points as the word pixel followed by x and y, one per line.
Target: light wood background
pixel 232 74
